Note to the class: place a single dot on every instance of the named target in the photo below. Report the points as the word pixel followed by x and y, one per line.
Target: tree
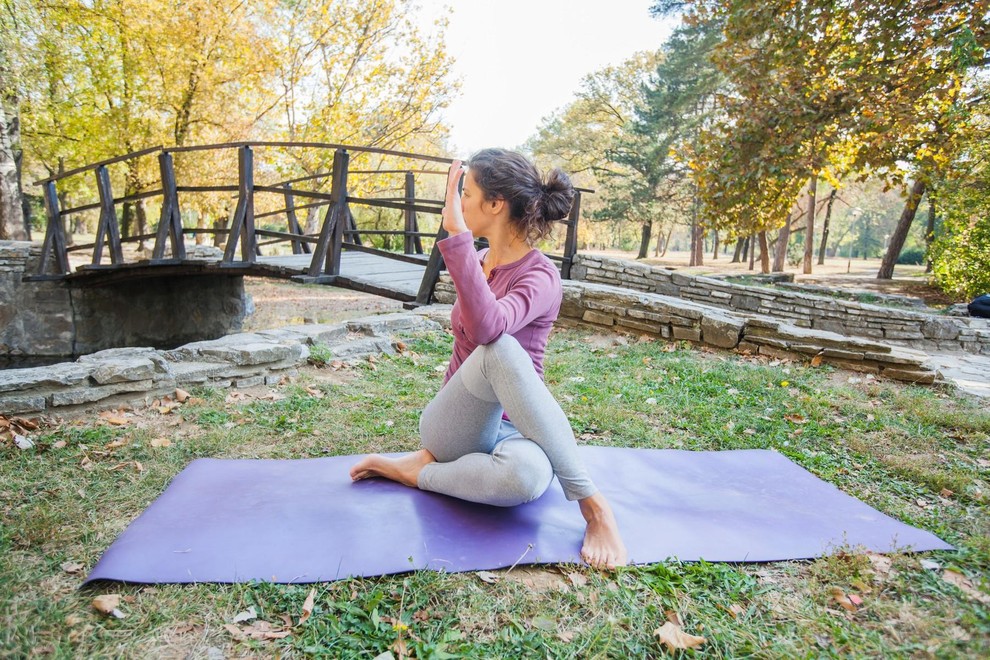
pixel 821 88
pixel 15 222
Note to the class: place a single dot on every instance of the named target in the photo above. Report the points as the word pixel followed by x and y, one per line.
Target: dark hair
pixel 534 203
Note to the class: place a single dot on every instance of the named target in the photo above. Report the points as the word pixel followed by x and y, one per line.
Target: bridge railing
pixel 243 239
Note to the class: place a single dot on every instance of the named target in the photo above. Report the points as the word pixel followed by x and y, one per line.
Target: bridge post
pixel 107 227
pixel 170 223
pixel 408 244
pixel 333 222
pixel 54 235
pixel 243 220
pixel 433 268
pixel 298 247
pixel 570 243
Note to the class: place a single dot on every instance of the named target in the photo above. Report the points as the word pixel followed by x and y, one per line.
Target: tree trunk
pixel 901 231
pixel 715 247
pixel 737 256
pixel 780 253
pixel 12 221
pixel 809 234
pixel 202 222
pixel 930 233
pixel 644 241
pixel 764 253
pixel 666 243
pixel 825 223
pixel 752 252
pixel 142 222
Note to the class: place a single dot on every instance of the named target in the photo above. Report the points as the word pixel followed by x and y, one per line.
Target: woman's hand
pixel 453 214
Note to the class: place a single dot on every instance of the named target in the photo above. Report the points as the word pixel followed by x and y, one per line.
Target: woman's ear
pixel 496 205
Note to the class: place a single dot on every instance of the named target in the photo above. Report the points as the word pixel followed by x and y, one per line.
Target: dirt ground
pixel 278 303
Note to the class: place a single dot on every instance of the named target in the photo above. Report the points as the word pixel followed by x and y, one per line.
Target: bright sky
pixel 519 60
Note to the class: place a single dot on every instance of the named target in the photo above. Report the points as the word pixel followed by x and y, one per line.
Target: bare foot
pixel 404 469
pixel 603 546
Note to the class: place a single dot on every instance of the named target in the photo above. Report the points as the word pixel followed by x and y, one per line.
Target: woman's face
pixel 477 216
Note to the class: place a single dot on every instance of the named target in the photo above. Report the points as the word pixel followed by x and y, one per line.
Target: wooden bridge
pixel 338 254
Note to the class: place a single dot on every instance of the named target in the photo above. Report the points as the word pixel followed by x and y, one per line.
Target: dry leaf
pixel 247 615
pixel 843 601
pixel 734 610
pixel 307 609
pixel 675 638
pixel 160 442
pixel 816 361
pixel 59 444
pixel 881 563
pixel 181 395
pixel 945 492
pixel 578 579
pixel 115 420
pixel 108 604
pixel 796 418
pixel 487 576
pixel 314 392
pixel 72 567
pixel 116 443
pixel 674 618
pixel 964 584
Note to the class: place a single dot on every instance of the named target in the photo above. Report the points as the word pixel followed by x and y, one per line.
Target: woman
pixel 494 434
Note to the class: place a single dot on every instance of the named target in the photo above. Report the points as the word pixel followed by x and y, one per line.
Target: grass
pixel 900 449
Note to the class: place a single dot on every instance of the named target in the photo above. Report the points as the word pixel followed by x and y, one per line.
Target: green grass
pixel 900 449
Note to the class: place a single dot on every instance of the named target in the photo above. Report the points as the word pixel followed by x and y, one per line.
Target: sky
pixel 519 60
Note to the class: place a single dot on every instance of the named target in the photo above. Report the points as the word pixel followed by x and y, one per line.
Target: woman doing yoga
pixel 494 434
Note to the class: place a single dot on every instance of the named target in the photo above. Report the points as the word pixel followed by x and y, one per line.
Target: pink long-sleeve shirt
pixel 521 299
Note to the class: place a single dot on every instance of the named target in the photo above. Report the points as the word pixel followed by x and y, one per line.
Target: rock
pixel 66 373
pixel 721 330
pixel 121 370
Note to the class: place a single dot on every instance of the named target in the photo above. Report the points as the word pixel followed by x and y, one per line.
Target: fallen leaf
pixel 181 395
pixel 314 392
pixel 247 615
pixel 675 638
pixel 945 492
pixel 674 618
pixel 734 610
pixel 401 648
pixel 59 444
pixel 71 567
pixel 842 600
pixel 796 418
pixel 116 443
pixel 881 563
pixel 113 420
pixel 816 361
pixel 567 636
pixel 307 609
pixel 578 579
pixel 487 576
pixel 964 584
pixel 108 604
pixel 160 442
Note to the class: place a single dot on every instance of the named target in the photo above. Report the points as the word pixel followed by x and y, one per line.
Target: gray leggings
pixel 483 458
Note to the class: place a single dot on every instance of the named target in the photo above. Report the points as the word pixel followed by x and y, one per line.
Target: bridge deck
pixel 399 280
pixel 372 273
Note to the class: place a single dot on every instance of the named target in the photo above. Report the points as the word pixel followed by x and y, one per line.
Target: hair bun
pixel 558 195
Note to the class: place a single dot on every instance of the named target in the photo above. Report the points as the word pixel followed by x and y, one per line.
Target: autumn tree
pixel 824 88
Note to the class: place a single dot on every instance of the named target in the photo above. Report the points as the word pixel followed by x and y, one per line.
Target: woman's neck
pixel 505 250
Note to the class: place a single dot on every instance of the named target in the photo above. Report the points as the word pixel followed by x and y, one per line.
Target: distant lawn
pixel 920 455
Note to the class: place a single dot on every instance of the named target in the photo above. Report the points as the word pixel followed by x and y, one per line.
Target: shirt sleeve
pixel 484 317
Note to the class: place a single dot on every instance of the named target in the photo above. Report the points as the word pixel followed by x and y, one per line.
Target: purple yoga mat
pixel 305 521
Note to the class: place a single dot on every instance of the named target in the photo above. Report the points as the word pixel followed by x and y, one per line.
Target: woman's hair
pixel 534 203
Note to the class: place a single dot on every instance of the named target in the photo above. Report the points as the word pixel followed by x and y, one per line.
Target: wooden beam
pixel 107 227
pixel 170 223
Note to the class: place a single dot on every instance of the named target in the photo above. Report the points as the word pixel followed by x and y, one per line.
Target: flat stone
pixel 362 347
pixel 120 370
pixel 936 328
pixel 721 330
pixel 77 396
pixel 15 404
pixel 55 375
pixel 689 334
pixel 598 318
pixel 249 382
pixel 910 376
pixel 389 323
pixel 254 353
pixel 899 355
pixel 844 355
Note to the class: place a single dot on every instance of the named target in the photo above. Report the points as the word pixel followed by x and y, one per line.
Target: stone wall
pixel 117 375
pixel 62 318
pixel 906 327
pixel 619 309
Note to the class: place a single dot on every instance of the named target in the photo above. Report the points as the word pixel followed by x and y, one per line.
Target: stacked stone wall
pixel 906 327
pixel 619 309
pixel 241 360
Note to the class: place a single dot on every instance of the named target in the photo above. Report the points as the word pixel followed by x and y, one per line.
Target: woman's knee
pixel 526 471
